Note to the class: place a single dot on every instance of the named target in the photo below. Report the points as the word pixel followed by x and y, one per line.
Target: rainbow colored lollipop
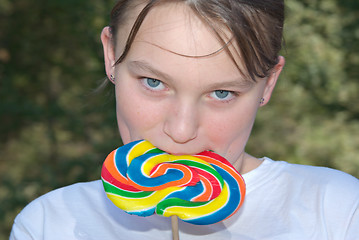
pixel 201 189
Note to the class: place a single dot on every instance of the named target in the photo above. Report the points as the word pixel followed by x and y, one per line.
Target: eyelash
pixel 232 94
pixel 146 84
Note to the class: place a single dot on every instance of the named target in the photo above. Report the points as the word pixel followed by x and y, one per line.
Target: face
pixel 182 104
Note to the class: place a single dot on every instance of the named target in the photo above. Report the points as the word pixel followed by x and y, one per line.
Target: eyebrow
pixel 242 84
pixel 147 68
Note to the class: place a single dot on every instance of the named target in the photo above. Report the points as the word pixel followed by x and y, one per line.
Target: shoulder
pixel 319 199
pixel 60 196
pixel 329 178
pixel 334 193
pixel 82 211
pixel 328 181
pixel 301 176
pixel 57 206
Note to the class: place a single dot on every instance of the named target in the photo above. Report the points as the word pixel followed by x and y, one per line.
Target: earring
pixel 261 101
pixel 112 78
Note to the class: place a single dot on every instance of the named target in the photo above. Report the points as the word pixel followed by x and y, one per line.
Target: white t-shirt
pixel 283 201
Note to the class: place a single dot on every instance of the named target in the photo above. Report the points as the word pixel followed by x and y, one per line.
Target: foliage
pixel 315 107
pixel 56 130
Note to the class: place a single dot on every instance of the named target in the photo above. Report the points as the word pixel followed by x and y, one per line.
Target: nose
pixel 181 124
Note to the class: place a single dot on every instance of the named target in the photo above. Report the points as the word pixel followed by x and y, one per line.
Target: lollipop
pixel 201 189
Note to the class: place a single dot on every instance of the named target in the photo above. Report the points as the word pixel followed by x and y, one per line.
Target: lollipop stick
pixel 174 221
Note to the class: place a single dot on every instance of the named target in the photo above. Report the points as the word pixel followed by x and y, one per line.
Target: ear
pixel 109 52
pixel 272 80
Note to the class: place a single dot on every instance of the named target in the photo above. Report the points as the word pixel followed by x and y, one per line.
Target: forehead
pixel 175 28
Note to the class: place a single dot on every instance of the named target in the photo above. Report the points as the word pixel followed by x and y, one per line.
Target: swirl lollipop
pixel 143 180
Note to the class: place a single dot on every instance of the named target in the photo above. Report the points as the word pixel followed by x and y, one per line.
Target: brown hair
pixel 256 27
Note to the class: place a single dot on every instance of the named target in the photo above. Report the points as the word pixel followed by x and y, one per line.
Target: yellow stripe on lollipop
pixel 152 162
pixel 138 204
pixel 189 157
pixel 139 149
pixel 188 213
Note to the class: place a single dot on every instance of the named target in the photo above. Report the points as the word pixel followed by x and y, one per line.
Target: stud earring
pixel 261 101
pixel 112 78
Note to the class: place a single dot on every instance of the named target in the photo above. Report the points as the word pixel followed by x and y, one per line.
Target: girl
pixel 190 75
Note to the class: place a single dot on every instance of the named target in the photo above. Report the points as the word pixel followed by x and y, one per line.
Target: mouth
pixel 179 150
pixel 181 153
pixel 187 153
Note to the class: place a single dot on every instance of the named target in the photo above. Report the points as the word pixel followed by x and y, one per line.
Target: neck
pixel 246 163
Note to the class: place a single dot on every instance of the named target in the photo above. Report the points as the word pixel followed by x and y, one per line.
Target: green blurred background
pixel 55 129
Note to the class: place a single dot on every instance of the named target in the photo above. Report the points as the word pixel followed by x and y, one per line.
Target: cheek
pixel 129 118
pixel 125 121
pixel 229 129
pixel 229 132
pixel 135 116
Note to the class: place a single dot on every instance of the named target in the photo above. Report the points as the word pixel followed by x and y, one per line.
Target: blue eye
pixel 153 84
pixel 221 94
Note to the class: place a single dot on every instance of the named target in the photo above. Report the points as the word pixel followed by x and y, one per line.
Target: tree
pixel 55 130
pixel 316 104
